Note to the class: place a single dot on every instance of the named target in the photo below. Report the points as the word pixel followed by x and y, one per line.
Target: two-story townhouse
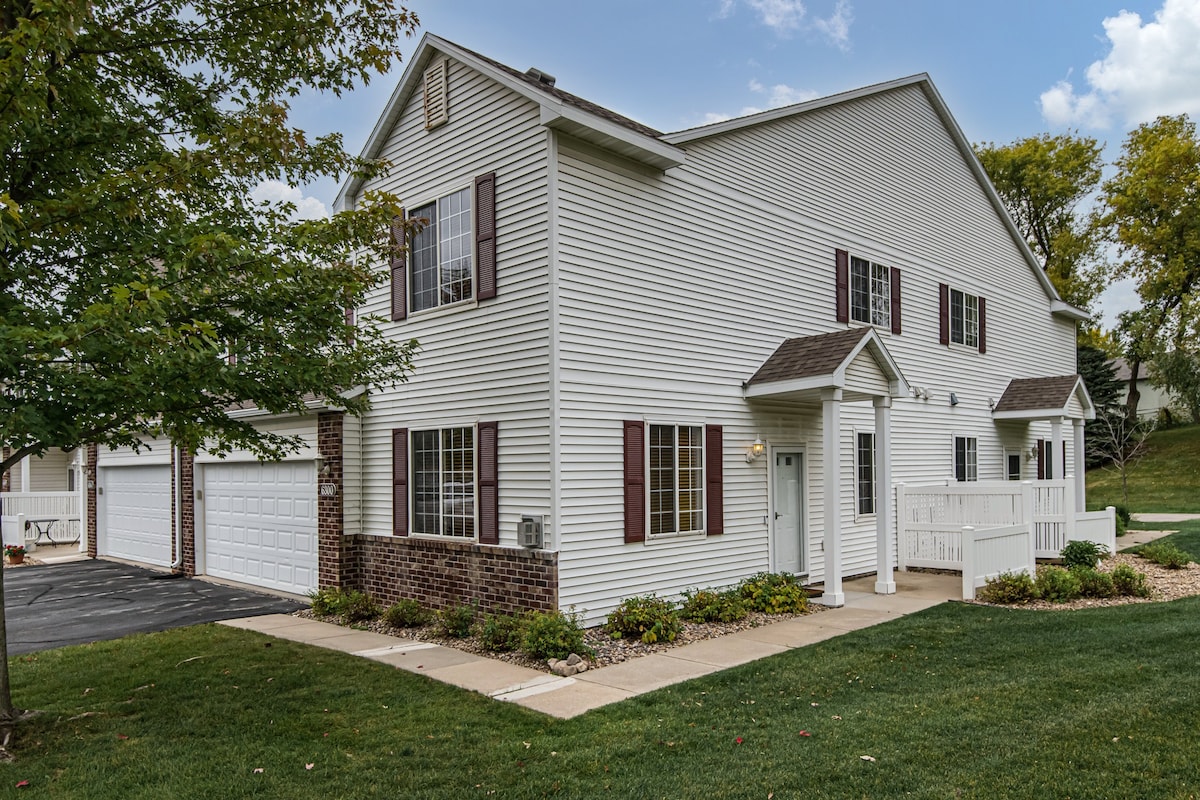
pixel 652 361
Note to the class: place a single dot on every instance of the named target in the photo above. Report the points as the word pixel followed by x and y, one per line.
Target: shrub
pixel 351 605
pixel 1094 583
pixel 1123 516
pixel 456 621
pixel 649 618
pixel 705 605
pixel 500 633
pixel 553 634
pixel 1164 554
pixel 1056 584
pixel 407 613
pixel 1009 588
pixel 774 593
pixel 1129 582
pixel 1082 553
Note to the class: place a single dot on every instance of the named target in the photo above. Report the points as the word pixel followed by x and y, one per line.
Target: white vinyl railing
pixel 57 512
pixel 987 552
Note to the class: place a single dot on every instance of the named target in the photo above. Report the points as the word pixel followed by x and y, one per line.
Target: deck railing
pixel 19 508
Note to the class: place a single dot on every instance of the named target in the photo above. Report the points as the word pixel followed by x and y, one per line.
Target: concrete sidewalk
pixel 569 697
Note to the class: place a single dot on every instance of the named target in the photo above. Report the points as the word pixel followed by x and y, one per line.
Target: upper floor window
pixel 441 252
pixel 867 292
pixel 964 318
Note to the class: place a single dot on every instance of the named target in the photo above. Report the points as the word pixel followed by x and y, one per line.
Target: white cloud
pixel 837 27
pixel 278 192
pixel 776 96
pixel 1152 68
pixel 790 16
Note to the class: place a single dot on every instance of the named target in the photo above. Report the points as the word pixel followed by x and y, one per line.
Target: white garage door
pixel 135 512
pixel 260 524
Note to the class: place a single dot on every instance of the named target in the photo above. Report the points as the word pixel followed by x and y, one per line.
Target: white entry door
pixel 787 513
pixel 260 524
pixel 134 513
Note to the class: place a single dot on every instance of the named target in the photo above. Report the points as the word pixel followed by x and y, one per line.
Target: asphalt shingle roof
pixel 1029 394
pixel 808 356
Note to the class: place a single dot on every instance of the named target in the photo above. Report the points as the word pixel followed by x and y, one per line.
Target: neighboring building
pixel 1151 399
pixel 650 361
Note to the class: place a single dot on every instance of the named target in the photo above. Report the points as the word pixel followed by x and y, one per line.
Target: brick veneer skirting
pixel 440 573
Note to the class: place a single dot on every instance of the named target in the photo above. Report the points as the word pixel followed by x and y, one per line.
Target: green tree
pixel 134 263
pixel 1151 207
pixel 1042 180
pixel 1100 378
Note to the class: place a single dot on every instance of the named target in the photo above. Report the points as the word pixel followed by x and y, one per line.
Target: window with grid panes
pixel 442 252
pixel 676 479
pixel 443 482
pixel 964 318
pixel 865 472
pixel 870 293
pixel 966 458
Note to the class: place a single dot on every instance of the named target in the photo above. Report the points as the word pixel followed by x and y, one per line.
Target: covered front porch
pixel 828 371
pixel 41 499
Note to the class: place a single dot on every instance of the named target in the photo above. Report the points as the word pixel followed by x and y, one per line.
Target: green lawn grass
pixel 1166 479
pixel 958 701
pixel 1187 537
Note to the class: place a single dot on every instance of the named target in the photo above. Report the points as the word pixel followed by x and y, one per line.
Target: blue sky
pixel 1006 70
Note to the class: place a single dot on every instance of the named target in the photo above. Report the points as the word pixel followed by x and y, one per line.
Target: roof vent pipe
pixel 544 78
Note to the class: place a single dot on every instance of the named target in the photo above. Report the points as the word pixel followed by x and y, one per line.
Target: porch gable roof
pixel 809 363
pixel 1045 398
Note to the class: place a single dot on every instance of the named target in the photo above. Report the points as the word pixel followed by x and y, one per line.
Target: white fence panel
pixel 992 551
pixel 13 528
pixel 59 509
pixel 1099 527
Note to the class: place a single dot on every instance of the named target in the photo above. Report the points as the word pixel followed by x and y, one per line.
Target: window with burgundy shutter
pixel 442 481
pixel 485 235
pixel 489 498
pixel 842 265
pixel 867 292
pixel 398 259
pixel 714 484
pixel 635 481
pixel 962 318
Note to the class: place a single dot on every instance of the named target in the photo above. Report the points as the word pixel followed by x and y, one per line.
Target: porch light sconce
pixel 322 467
pixel 756 450
pixel 953 399
pixel 992 403
pixel 1032 453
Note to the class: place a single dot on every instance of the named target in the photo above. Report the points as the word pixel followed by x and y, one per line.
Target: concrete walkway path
pixel 1134 537
pixel 568 697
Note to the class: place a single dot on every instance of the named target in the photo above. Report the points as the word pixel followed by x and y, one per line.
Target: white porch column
pixel 831 429
pixel 1057 467
pixel 885 578
pixel 25 474
pixel 1079 459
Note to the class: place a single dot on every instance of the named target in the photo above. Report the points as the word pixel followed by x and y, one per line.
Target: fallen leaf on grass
pixel 258 770
pixel 122 736
pixel 309 766
pixel 837 716
pixel 805 733
pixel 22 784
pixel 738 740
pixel 867 758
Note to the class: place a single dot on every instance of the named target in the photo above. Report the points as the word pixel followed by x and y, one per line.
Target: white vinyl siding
pixel 487 360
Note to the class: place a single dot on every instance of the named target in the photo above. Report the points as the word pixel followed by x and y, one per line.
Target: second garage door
pixel 260 524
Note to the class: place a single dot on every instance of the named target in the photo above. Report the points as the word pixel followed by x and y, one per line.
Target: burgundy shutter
pixel 1041 471
pixel 489 499
pixel 399 265
pixel 895 287
pixel 485 236
pixel 400 481
pixel 714 492
pixel 842 260
pixel 350 321
pixel 943 313
pixel 635 481
pixel 982 325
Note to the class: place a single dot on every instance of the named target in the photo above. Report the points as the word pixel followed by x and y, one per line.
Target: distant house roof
pixel 1123 373
pixel 1041 398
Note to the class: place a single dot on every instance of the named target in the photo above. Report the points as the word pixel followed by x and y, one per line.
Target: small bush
pixel 1165 554
pixel 705 605
pixel 553 634
pixel 407 613
pixel 1082 553
pixel 456 621
pixel 1129 582
pixel 1123 516
pixel 1093 583
pixel 649 618
pixel 774 593
pixel 351 605
pixel 1056 584
pixel 1009 588
pixel 500 633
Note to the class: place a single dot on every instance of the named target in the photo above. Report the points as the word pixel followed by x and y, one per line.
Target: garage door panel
pixel 261 524
pixel 137 513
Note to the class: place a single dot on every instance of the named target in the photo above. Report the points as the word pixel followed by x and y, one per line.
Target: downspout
pixel 177 485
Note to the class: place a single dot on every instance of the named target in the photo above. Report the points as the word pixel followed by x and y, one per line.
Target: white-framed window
pixel 964 318
pixel 441 253
pixel 966 458
pixel 676 479
pixel 864 473
pixel 443 482
pixel 1012 466
pixel 870 293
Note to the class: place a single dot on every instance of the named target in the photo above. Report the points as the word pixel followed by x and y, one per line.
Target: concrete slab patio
pixel 569 697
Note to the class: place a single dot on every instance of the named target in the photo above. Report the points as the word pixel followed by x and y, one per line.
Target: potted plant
pixel 14 553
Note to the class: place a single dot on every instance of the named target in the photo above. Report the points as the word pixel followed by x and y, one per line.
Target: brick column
pixel 187 510
pixel 89 475
pixel 332 549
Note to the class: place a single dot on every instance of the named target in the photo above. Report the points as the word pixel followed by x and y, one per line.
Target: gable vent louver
pixel 544 78
pixel 437 104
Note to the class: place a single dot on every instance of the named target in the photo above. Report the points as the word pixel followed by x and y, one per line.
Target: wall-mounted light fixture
pixel 322 466
pixel 756 450
pixel 953 399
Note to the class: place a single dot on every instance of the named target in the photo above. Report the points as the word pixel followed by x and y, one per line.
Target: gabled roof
pixel 1044 398
pixel 1123 373
pixel 560 110
pixel 820 362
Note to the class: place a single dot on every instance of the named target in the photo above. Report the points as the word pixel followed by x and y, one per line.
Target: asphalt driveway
pixel 89 601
